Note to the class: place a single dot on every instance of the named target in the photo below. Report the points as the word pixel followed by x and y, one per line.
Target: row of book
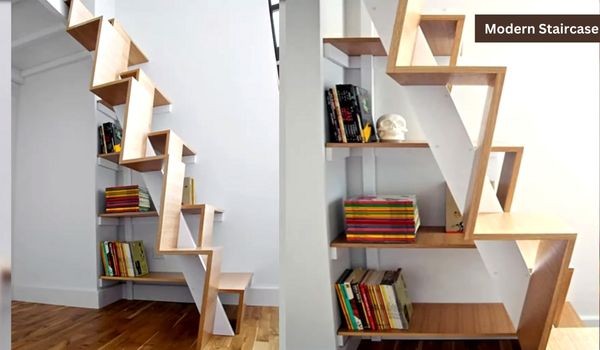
pixel 130 198
pixel 389 218
pixel 123 259
pixel 374 300
pixel 349 114
pixel 109 138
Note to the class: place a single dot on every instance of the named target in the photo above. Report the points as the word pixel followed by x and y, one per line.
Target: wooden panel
pixel 170 206
pixel 508 178
pixel 564 310
pixel 450 321
pixel 154 163
pixel 529 250
pixel 517 226
pixel 234 282
pixel 427 237
pixel 112 157
pixel 138 121
pixel 78 13
pixel 113 93
pixel 358 46
pixel 152 277
pixel 441 33
pixel 158 140
pixel 404 35
pixel 138 214
pixel 86 33
pixel 584 338
pixel 209 298
pixel 405 144
pixel 205 229
pixel 482 155
pixel 197 209
pixel 111 56
pixel 543 293
pixel 444 75
pixel 136 56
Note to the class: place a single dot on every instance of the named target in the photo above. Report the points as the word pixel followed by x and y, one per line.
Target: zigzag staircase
pixel 526 255
pixel 158 156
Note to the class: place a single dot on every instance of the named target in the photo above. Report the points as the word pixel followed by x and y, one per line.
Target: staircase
pixel 527 256
pixel 158 155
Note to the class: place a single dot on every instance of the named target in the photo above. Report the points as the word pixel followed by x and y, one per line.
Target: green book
pixel 140 264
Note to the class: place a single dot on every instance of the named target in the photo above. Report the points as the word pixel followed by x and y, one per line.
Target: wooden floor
pixel 133 325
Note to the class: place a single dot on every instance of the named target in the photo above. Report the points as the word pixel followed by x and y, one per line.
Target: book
pixel 350 115
pixel 334 128
pixel 402 297
pixel 363 105
pixel 338 113
pixel 188 191
pixel 353 306
pixel 128 259
pixel 104 254
pixel 138 254
pixel 341 299
pixel 392 308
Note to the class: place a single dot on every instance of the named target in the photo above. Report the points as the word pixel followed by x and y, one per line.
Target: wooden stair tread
pixel 569 317
pixel 356 46
pixel 440 32
pixel 152 163
pixel 474 320
pixel 576 338
pixel 187 251
pixel 86 33
pixel 198 208
pixel 520 226
pixel 158 141
pixel 410 144
pixel 115 93
pixel 427 237
pixel 136 55
pixel 234 282
pixel 186 209
pixel 133 214
pixel 228 282
pixel 444 75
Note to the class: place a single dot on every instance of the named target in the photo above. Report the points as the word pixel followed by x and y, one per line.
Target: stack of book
pixel 382 219
pixel 109 138
pixel 123 259
pixel 349 114
pixel 374 300
pixel 122 199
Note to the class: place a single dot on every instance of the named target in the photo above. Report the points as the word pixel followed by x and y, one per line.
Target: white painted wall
pixel 54 189
pixel 215 61
pixel 550 106
pixel 5 172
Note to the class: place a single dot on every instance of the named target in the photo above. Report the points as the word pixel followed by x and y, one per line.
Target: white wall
pixel 54 189
pixel 215 61
pixel 5 173
pixel 549 105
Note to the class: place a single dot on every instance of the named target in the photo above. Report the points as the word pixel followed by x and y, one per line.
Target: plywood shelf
pixel 409 144
pixel 464 321
pixel 521 226
pixel 152 277
pixel 229 282
pixel 427 237
pixel 197 209
pixel 115 93
pixel 441 32
pixel 132 214
pixel 444 75
pixel 86 33
pixel 152 163
pixel 112 157
pixel 358 45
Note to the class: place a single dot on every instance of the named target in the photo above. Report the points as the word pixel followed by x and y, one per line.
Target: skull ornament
pixel 391 128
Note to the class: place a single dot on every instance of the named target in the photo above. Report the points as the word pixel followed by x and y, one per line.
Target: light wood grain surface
pixel 442 32
pixel 527 226
pixel 358 46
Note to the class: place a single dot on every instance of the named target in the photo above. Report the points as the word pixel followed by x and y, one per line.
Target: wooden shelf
pixel 484 320
pixel 111 157
pixel 358 46
pixel 234 282
pixel 229 282
pixel 444 75
pixel 427 237
pixel 132 214
pixel 521 226
pixel 440 32
pixel 197 209
pixel 115 93
pixel 409 144
pixel 86 33
pixel 153 163
pixel 152 277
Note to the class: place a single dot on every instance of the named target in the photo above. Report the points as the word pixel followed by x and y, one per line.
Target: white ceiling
pixel 39 37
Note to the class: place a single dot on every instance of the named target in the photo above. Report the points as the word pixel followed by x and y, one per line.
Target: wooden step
pixel 115 92
pixel 358 45
pixel 186 209
pixel 198 209
pixel 136 55
pixel 158 139
pixel 152 163
pixel 569 317
pixel 579 338
pixel 521 226
pixel 234 282
pixel 444 75
pixel 132 214
pixel 411 144
pixel 86 33
pixel 229 282
pixel 443 33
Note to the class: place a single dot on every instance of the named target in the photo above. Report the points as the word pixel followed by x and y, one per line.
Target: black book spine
pixel 361 308
pixel 108 137
pixel 334 131
pixel 345 95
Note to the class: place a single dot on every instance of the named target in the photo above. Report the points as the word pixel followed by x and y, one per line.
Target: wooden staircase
pixel 526 255
pixel 158 155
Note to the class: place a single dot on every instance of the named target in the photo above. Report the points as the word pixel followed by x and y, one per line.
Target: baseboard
pixel 109 295
pixel 262 296
pixel 86 298
pixel 591 321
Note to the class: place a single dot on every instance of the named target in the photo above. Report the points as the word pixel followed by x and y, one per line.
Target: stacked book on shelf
pixel 381 219
pixel 123 259
pixel 109 138
pixel 122 199
pixel 349 114
pixel 374 300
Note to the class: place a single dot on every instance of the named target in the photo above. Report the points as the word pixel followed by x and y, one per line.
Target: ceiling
pixel 39 39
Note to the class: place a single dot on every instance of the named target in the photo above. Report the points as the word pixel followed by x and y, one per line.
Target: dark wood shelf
pixel 131 214
pixel 358 45
pixel 427 237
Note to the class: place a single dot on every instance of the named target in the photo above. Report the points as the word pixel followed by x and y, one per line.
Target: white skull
pixel 391 128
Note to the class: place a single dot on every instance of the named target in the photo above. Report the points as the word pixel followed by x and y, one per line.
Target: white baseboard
pixel 262 296
pixel 87 298
pixel 591 321
pixel 109 295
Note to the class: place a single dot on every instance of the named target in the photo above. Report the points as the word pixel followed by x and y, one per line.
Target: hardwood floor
pixel 133 324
